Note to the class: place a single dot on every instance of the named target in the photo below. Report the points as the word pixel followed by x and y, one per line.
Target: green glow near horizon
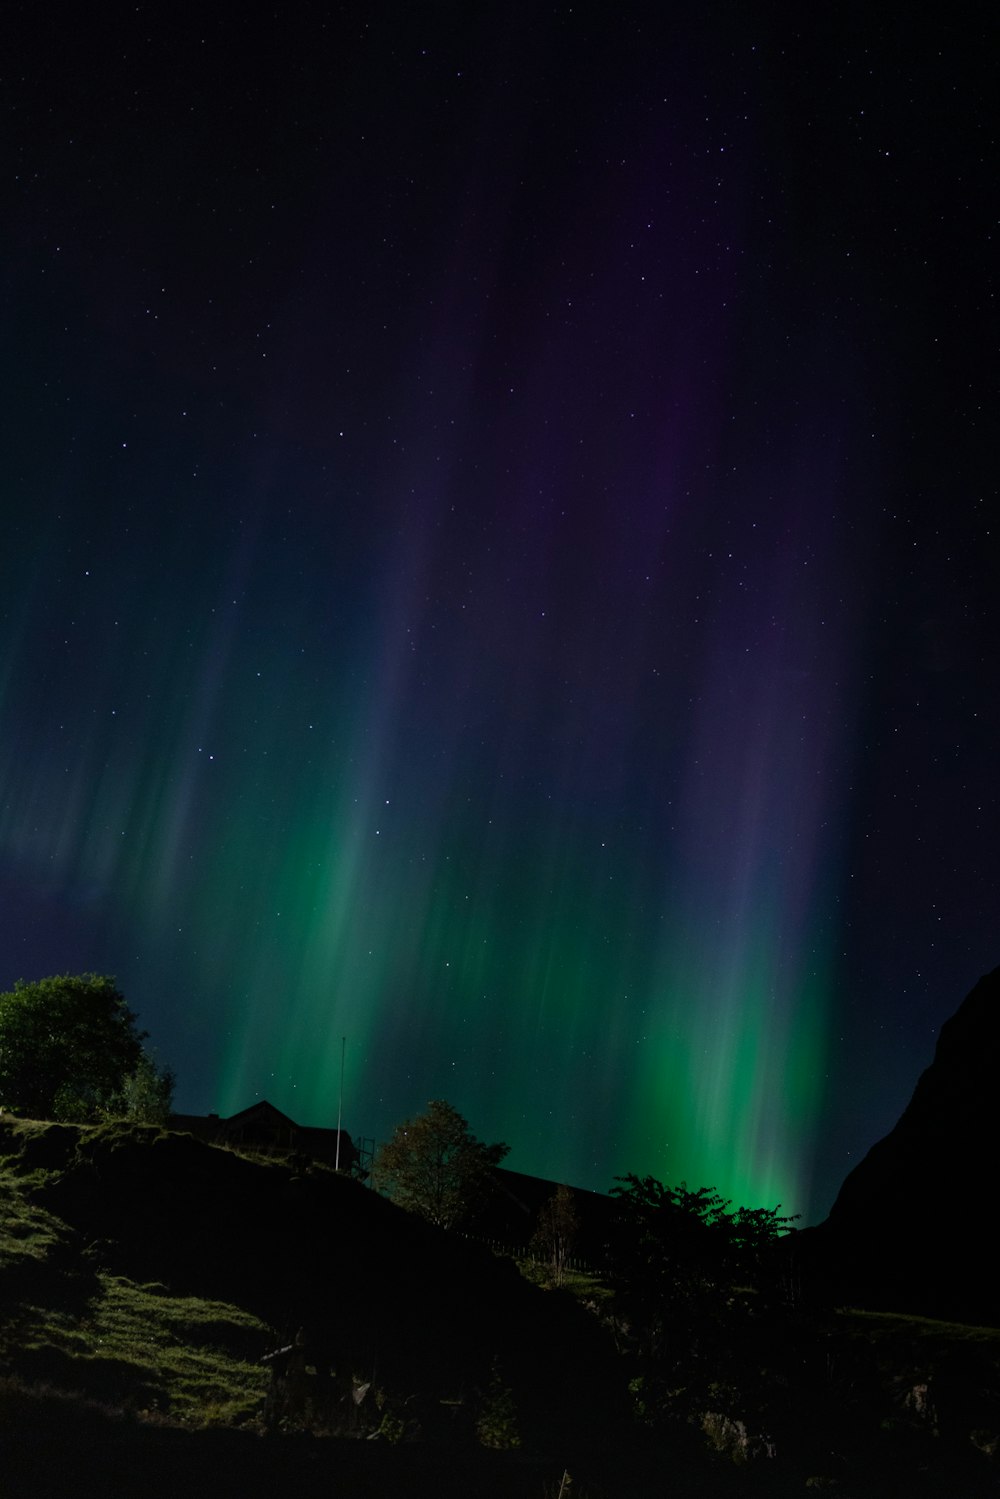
pixel 515 972
pixel 290 854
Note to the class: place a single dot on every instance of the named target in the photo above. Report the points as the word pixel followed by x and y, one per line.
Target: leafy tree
pixel 146 1095
pixel 696 1296
pixel 556 1230
pixel 678 1248
pixel 69 1046
pixel 434 1166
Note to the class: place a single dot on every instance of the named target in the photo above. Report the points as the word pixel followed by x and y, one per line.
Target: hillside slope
pixel 911 1229
pixel 258 1252
pixel 147 1280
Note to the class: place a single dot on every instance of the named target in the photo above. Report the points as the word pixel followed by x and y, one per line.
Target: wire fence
pixel 526 1254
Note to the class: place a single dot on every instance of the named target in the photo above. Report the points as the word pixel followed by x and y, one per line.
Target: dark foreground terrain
pixel 175 1318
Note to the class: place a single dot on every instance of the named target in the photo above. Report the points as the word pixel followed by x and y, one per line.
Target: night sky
pixel 498 561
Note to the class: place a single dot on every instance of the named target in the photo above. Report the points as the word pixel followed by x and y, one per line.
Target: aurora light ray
pixel 520 952
pixel 397 824
pixel 475 566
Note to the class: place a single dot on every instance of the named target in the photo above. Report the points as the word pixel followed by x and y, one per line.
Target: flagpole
pixel 340 1106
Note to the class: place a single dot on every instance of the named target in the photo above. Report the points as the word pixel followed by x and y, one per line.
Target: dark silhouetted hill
pixel 148 1281
pixel 913 1227
pixel 382 1296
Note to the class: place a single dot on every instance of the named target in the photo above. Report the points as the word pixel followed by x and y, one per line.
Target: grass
pixel 26 1230
pixel 584 1285
pixel 137 1347
pixel 83 1349
pixel 105 1338
pixel 918 1332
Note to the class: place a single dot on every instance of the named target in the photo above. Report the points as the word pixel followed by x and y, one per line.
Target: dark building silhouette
pixel 265 1128
pixel 510 1212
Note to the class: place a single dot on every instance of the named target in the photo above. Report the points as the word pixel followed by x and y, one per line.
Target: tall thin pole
pixel 340 1106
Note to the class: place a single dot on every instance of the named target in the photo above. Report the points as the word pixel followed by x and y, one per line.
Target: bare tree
pixel 555 1231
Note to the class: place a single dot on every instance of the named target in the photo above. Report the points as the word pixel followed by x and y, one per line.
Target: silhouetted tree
pixel 434 1166
pixel 676 1247
pixel 556 1230
pixel 695 1295
pixel 69 1047
pixel 146 1094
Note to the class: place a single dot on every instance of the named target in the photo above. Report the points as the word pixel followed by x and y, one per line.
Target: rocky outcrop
pixel 912 1228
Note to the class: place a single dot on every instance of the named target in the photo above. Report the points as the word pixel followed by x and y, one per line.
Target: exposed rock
pixel 732 1438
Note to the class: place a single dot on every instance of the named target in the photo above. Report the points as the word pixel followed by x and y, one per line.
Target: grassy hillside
pixel 147 1279
pixel 145 1275
pixel 68 1322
